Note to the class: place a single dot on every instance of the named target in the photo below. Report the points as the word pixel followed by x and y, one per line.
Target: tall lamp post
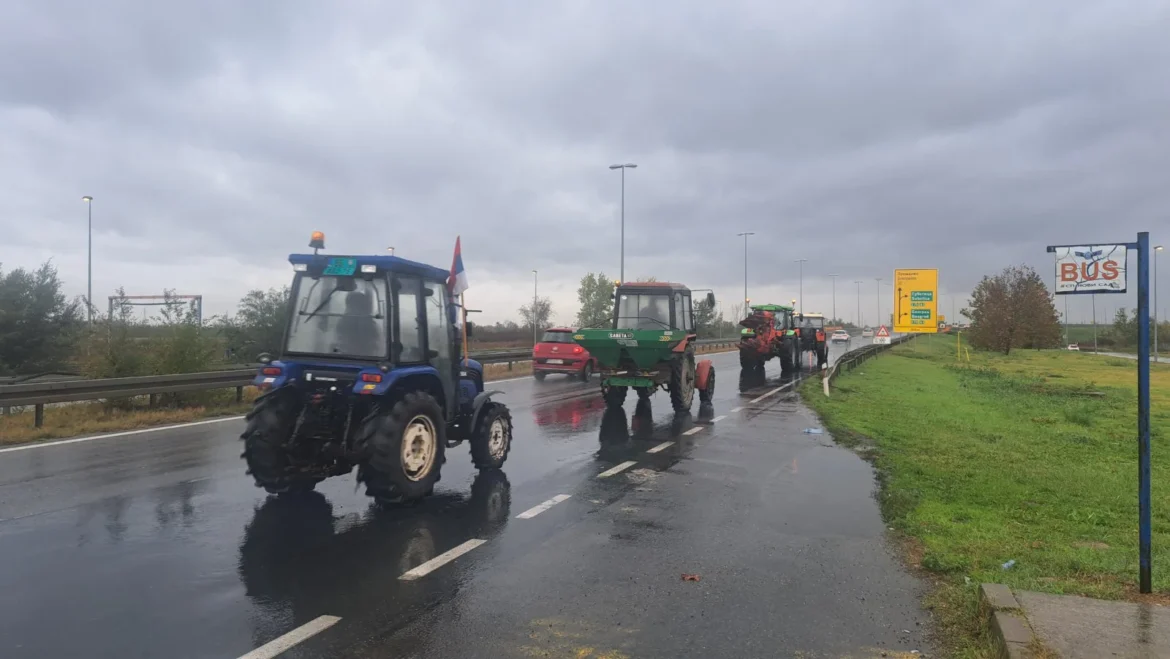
pixel 745 235
pixel 89 259
pixel 834 279
pixel 622 268
pixel 859 323
pixel 801 262
pixel 1157 248
pixel 878 289
pixel 534 280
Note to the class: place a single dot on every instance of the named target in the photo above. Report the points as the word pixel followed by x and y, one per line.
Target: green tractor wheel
pixel 614 396
pixel 682 382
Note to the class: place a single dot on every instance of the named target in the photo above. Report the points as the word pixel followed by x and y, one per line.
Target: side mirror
pixel 710 299
pixel 264 358
pixel 469 329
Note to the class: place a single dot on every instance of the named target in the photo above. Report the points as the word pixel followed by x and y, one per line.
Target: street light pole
pixel 1157 248
pixel 89 259
pixel 801 262
pixel 534 279
pixel 745 235
pixel 859 323
pixel 878 290
pixel 622 268
pixel 834 279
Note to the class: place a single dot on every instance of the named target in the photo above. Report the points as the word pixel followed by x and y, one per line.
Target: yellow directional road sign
pixel 916 301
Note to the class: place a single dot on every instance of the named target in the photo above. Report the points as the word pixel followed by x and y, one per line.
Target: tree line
pixel 41 330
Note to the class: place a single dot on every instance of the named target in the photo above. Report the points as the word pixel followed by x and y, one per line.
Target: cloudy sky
pixel 862 136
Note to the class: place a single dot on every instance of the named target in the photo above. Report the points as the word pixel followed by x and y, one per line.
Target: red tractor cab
pixel 557 352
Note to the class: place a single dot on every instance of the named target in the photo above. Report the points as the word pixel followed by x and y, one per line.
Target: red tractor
pixel 768 333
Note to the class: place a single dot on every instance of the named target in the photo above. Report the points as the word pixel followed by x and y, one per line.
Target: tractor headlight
pixel 300 267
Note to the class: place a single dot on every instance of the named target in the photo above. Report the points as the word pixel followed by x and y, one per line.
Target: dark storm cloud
pixel 862 136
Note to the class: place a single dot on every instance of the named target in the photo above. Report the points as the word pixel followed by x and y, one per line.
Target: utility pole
pixel 89 259
pixel 535 339
pixel 801 262
pixel 859 322
pixel 745 259
pixel 834 279
pixel 629 165
pixel 878 290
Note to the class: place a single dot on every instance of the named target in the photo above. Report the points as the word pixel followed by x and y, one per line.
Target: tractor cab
pixel 655 306
pixel 369 375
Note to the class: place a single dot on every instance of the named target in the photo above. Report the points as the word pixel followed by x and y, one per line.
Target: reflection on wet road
pixel 158 545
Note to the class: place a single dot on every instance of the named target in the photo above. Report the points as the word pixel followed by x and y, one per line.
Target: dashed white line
pixel 660 447
pixel 719 418
pixel 736 409
pixel 536 510
pixel 302 633
pixel 763 396
pixel 441 560
pixel 127 433
pixel 694 430
pixel 617 470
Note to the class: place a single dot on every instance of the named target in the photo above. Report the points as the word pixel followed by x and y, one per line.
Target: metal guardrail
pixel 40 394
pixel 854 358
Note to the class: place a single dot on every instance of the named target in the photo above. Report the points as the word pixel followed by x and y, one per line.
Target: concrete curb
pixel 1010 630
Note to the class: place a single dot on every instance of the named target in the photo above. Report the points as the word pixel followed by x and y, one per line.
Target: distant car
pixel 840 336
pixel 867 333
pixel 1074 346
pixel 557 352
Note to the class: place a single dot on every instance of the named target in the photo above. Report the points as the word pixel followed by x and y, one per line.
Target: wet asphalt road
pixel 158 545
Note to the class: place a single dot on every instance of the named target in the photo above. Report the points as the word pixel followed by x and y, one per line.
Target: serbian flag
pixel 457 281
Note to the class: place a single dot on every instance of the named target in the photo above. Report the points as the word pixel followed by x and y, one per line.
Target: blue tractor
pixel 370 376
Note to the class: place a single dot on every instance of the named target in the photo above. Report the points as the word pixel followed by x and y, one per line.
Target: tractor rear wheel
pixel 707 393
pixel 404 449
pixel 682 382
pixel 787 359
pixel 266 444
pixel 822 355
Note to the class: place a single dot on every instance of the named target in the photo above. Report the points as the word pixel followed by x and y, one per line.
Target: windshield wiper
pixel 322 305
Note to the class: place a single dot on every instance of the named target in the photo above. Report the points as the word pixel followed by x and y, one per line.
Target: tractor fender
pixel 478 405
pixel 702 371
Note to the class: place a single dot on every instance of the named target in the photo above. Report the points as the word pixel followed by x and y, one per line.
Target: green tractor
pixel 769 331
pixel 651 346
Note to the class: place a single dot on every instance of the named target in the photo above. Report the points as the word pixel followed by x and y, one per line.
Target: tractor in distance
pixel 651 346
pixel 369 376
pixel 768 332
pixel 810 329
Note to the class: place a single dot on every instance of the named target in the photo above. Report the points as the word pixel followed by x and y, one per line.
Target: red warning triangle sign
pixel 882 331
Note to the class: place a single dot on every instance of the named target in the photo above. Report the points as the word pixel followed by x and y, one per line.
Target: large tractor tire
pixel 682 382
pixel 404 449
pixel 822 355
pixel 788 357
pixel 614 396
pixel 266 445
pixel 493 437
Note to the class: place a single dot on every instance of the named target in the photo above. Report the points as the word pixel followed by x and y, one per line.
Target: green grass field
pixel 1031 458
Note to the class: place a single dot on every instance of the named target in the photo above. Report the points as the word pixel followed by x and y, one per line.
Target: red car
pixel 557 352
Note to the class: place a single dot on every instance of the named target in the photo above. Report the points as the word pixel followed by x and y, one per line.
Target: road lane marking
pixel 694 430
pixel 441 560
pixel 126 433
pixel 660 447
pixel 302 633
pixel 536 510
pixel 719 418
pixel 617 470
pixel 736 409
pixel 777 389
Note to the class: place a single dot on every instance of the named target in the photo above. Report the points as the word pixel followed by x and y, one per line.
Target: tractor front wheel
pixel 266 445
pixel 493 438
pixel 682 382
pixel 404 449
pixel 615 396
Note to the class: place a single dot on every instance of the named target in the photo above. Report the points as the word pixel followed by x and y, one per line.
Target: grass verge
pixel 1028 458
pixel 95 418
